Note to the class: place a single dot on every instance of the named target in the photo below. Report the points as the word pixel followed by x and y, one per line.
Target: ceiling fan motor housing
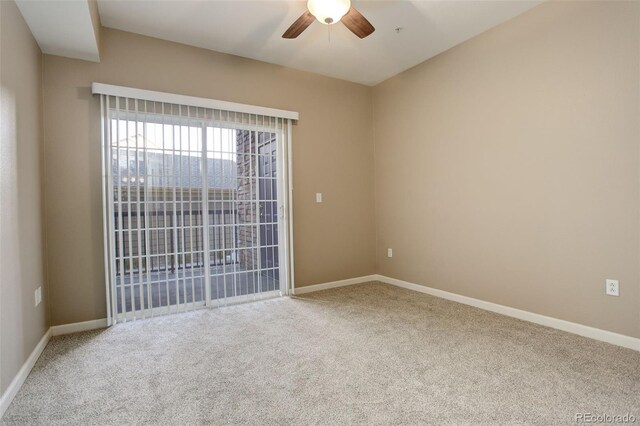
pixel 328 11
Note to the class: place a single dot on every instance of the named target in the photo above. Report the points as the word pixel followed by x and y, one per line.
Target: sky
pixel 221 142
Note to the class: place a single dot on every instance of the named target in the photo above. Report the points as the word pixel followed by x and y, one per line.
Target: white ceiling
pixel 253 29
pixel 63 28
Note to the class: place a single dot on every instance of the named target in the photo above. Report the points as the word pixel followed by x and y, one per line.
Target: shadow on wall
pixel 11 319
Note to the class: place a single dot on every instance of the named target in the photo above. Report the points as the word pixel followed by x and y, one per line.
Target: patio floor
pixel 167 288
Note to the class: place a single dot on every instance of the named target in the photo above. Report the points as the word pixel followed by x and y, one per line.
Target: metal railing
pixel 173 241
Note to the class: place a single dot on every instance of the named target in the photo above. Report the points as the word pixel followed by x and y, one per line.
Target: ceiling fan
pixel 330 12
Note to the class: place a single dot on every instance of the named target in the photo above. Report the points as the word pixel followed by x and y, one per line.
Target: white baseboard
pixel 59 330
pixel 571 327
pixel 18 380
pixel 334 284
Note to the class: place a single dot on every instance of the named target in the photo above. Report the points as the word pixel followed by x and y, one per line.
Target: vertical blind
pixel 196 202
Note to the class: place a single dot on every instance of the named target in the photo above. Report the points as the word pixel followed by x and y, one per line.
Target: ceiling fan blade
pixel 299 26
pixel 357 23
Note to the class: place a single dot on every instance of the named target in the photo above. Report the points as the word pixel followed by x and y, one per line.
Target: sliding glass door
pixel 195 208
pixel 245 262
pixel 157 214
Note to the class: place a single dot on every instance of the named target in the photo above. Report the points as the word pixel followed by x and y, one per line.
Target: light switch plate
pixel 38 296
pixel 318 197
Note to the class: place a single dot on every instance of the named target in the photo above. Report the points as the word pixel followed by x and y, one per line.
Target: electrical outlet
pixel 318 197
pixel 389 252
pixel 612 288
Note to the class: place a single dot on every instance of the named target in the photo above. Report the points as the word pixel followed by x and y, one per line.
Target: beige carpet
pixel 365 354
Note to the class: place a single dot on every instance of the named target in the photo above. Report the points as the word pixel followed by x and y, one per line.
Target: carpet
pixel 363 354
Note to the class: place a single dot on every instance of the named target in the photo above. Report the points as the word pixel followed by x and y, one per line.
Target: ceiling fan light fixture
pixel 328 11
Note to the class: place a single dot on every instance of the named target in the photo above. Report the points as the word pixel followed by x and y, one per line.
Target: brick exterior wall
pixel 246 199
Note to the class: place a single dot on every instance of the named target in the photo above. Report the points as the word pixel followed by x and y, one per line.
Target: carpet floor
pixel 364 354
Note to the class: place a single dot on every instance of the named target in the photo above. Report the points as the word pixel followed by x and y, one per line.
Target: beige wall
pixel 507 168
pixel 22 324
pixel 333 154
